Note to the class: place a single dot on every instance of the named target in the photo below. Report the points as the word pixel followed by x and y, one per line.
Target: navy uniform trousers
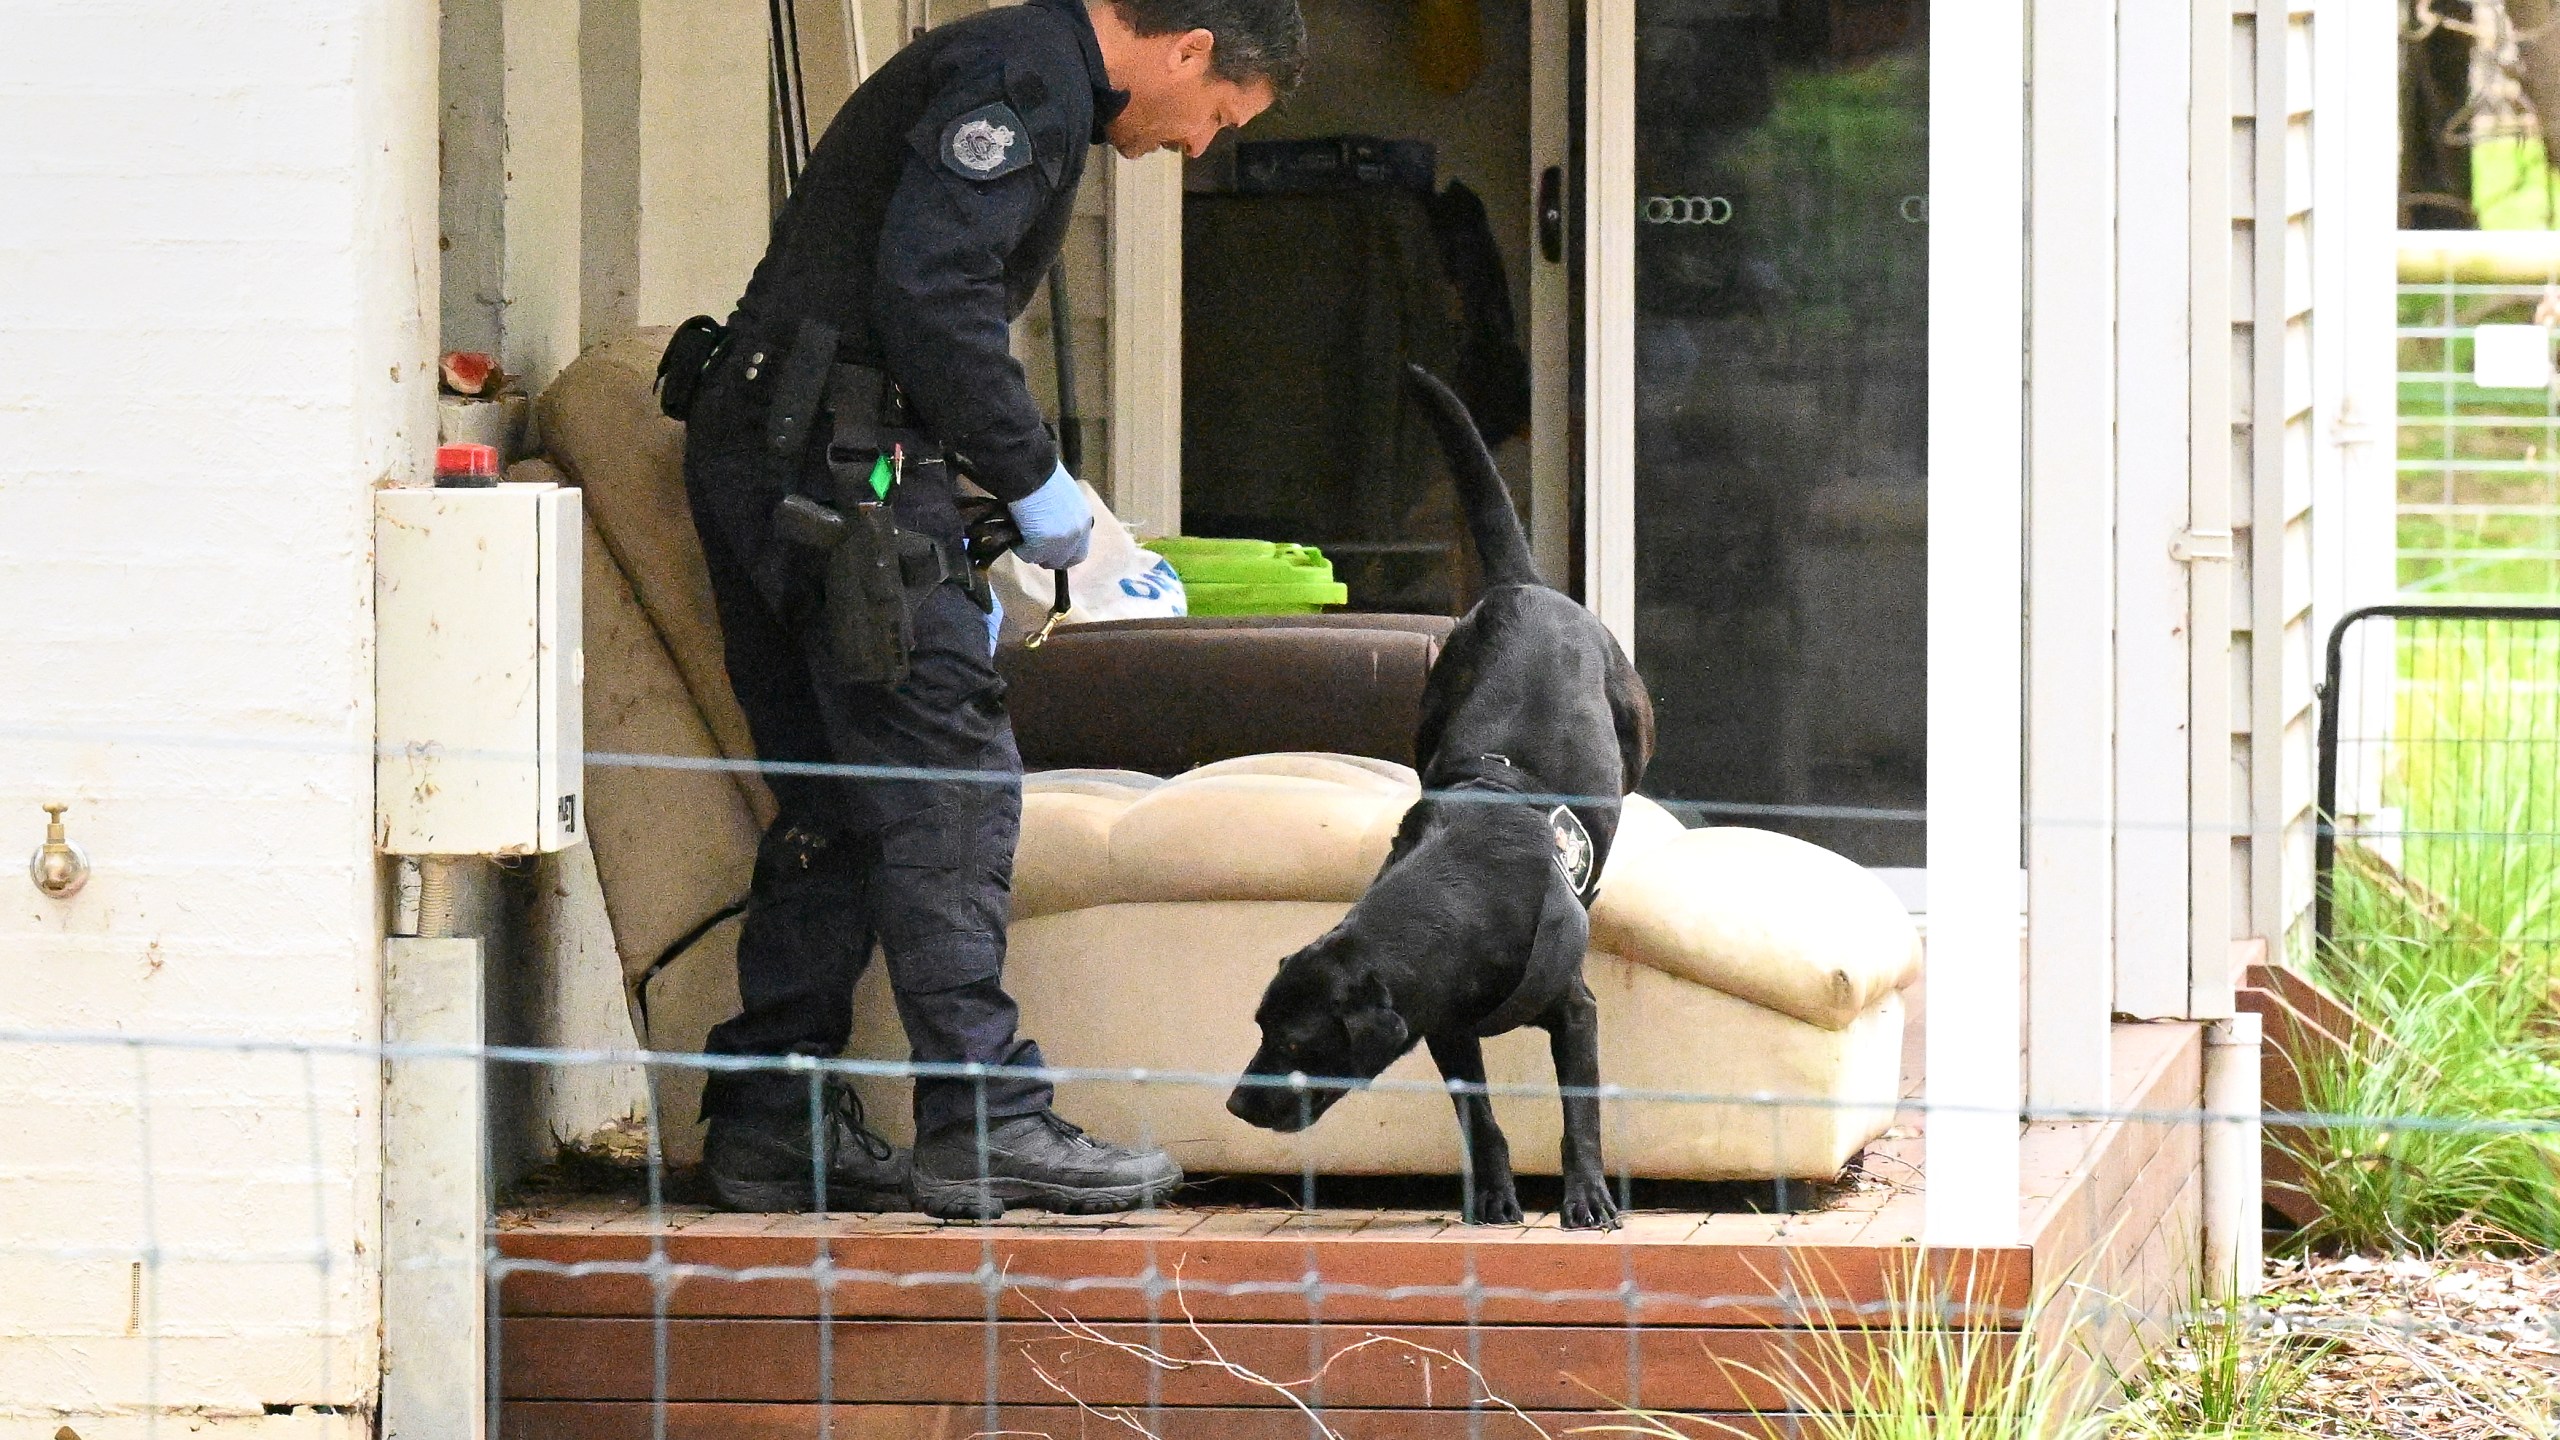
pixel 921 864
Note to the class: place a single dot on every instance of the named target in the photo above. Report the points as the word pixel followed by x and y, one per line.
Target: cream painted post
pixel 1609 316
pixel 544 188
pixel 2367 214
pixel 2071 570
pixel 2355 507
pixel 434 1194
pixel 2210 813
pixel 1550 293
pixel 1977 499
pixel 1146 342
pixel 2153 427
pixel 706 207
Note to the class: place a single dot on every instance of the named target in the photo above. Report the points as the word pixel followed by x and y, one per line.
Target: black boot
pixel 763 1162
pixel 1040 1161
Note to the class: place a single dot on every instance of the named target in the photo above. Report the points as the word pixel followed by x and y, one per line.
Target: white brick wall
pixel 216 285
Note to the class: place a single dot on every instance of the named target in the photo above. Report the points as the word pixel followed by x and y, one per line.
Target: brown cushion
pixel 1163 696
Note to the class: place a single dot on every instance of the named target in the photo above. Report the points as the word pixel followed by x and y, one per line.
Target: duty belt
pixel 868 414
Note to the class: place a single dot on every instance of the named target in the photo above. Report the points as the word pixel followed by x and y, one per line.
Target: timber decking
pixel 948 1331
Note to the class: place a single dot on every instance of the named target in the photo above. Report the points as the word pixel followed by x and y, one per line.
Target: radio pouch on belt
pixel 688 355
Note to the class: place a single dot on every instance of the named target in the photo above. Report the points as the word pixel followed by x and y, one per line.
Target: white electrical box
pixel 479 668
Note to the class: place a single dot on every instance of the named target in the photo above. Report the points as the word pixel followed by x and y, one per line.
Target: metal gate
pixel 2439 805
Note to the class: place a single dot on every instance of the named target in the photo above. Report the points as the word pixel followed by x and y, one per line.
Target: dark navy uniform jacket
pixel 930 211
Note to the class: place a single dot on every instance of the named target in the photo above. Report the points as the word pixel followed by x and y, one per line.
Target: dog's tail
pixel 1500 545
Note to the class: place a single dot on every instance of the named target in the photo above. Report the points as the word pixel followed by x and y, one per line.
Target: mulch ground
pixel 2423 1349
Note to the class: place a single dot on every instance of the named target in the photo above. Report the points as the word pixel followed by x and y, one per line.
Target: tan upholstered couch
pixel 1149 911
pixel 1729 963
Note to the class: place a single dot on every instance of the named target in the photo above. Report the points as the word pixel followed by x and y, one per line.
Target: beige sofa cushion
pixel 672 844
pixel 1253 837
pixel 1262 827
pixel 1759 916
pixel 1764 917
pixel 1052 868
pixel 600 423
pixel 1172 988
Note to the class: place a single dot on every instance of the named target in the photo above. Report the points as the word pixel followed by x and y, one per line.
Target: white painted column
pixel 2212 805
pixel 706 205
pixel 1609 316
pixel 544 187
pixel 1145 226
pixel 2355 517
pixel 434 1195
pixel 1550 312
pixel 1977 499
pixel 2071 556
pixel 2153 344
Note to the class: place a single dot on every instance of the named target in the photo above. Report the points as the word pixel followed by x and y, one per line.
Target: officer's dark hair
pixel 1257 39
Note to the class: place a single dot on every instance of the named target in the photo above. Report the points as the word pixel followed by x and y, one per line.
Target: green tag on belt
pixel 880 477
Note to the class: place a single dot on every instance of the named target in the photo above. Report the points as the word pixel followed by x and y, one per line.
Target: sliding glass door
pixel 1778 396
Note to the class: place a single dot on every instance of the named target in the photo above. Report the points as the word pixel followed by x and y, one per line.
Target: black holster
pixel 865 562
pixel 869 629
pixel 859 554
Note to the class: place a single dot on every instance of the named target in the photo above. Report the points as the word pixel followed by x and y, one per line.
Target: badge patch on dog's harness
pixel 987 143
pixel 1573 849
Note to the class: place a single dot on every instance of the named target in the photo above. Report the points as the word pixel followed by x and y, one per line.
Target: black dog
pixel 1533 725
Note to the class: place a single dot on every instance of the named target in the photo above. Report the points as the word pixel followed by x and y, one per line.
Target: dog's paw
pixel 1588 1205
pixel 1493 1205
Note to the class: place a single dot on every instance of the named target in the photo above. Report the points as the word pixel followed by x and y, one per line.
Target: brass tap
pixel 58 867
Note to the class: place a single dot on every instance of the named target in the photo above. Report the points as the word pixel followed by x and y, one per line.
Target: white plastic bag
pixel 1117 581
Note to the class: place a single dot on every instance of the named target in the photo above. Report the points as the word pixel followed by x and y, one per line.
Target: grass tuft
pixel 2222 1377
pixel 2466 1049
pixel 2447 946
pixel 1933 1368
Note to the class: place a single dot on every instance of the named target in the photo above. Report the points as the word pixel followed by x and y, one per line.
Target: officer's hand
pixel 1056 523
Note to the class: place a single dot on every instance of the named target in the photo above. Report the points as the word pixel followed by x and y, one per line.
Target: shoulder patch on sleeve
pixel 986 143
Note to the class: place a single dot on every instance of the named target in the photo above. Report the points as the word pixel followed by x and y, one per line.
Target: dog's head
pixel 1327 1016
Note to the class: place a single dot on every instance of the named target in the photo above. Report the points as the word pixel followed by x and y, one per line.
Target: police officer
pixel 868 361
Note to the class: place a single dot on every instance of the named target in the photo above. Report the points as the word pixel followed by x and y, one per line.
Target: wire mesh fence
pixel 1338 1293
pixel 618 1303
pixel 2479 453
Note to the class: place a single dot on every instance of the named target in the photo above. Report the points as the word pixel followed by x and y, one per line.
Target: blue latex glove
pixel 1056 523
pixel 995 626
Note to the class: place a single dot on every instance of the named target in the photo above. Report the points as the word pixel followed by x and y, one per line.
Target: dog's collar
pixel 1488 771
pixel 1575 855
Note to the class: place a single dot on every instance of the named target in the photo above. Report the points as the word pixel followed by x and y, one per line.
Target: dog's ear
pixel 1369 1016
